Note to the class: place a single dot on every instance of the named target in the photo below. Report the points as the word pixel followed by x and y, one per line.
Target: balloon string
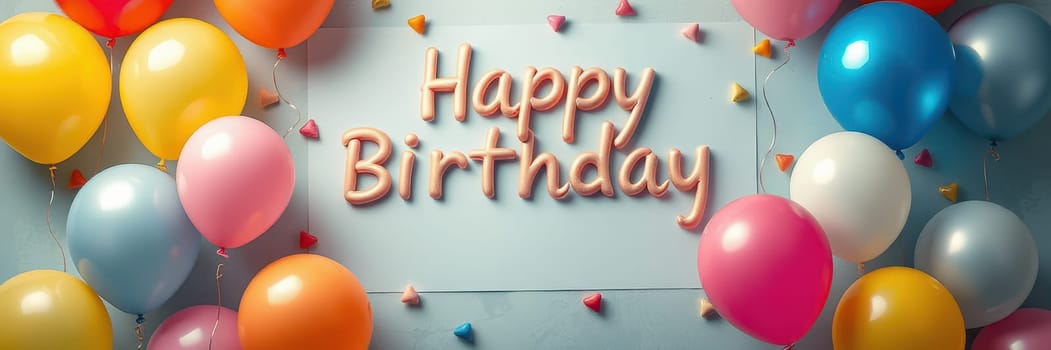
pixel 299 115
pixel 985 165
pixel 51 203
pixel 861 268
pixel 160 165
pixel 773 120
pixel 219 304
pixel 105 120
pixel 102 144
pixel 138 330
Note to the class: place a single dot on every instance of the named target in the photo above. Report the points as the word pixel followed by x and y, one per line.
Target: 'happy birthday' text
pixel 531 164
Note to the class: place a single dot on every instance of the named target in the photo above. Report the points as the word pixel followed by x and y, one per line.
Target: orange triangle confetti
pixel 76 180
pixel 267 97
pixel 738 93
pixel 762 48
pixel 378 4
pixel 950 191
pixel 784 161
pixel 418 23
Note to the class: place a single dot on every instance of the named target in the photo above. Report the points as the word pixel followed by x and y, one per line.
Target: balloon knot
pixel 222 252
pixel 162 166
pixel 901 155
pixel 52 168
pixel 140 319
pixel 791 44
pixel 993 152
pixel 789 347
pixel 111 42
pixel 281 54
pixel 992 143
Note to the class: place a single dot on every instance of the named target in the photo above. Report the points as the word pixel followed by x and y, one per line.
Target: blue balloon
pixel 887 70
pixel 130 238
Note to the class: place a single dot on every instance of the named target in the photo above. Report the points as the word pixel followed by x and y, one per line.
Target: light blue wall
pixel 647 319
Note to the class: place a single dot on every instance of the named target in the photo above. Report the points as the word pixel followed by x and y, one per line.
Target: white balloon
pixel 857 189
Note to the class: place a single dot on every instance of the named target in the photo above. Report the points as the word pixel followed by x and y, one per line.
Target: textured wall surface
pixel 634 319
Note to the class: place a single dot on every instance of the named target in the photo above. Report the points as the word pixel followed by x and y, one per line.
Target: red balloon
pixel 931 7
pixel 114 18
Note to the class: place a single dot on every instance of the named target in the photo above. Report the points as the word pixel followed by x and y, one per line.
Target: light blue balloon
pixel 130 238
pixel 1003 70
pixel 984 255
pixel 886 69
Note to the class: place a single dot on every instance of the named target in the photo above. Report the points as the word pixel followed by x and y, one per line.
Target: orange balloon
pixel 304 301
pixel 276 24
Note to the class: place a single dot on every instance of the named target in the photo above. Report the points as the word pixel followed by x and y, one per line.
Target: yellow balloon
pixel 178 75
pixel 47 309
pixel 898 308
pixel 55 86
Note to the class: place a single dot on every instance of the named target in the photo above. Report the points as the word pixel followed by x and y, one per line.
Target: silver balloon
pixel 984 254
pixel 1003 64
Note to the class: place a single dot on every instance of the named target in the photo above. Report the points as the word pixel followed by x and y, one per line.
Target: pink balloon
pixel 235 177
pixel 191 329
pixel 766 265
pixel 1023 329
pixel 786 19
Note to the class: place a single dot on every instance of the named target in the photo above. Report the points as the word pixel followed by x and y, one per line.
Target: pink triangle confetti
pixel 625 9
pixel 924 159
pixel 594 302
pixel 690 32
pixel 556 21
pixel 409 296
pixel 267 98
pixel 310 129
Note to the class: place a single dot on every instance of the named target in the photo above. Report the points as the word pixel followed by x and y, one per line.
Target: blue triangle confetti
pixel 463 330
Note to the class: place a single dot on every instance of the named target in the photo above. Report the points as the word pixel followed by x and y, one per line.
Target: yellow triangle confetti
pixel 950 191
pixel 738 93
pixel 762 48
pixel 706 308
pixel 378 4
pixel 418 23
